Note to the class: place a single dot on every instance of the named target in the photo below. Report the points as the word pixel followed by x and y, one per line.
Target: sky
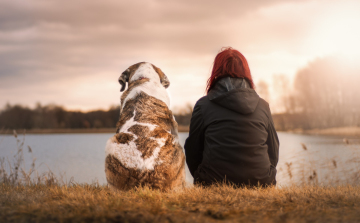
pixel 72 53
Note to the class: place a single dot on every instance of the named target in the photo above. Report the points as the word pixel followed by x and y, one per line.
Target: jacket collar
pixel 234 94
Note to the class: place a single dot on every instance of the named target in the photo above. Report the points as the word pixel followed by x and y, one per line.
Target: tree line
pixel 55 116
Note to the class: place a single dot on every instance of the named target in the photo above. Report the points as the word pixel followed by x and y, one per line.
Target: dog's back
pixel 145 149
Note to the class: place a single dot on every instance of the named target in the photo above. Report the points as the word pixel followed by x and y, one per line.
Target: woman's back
pixel 235 131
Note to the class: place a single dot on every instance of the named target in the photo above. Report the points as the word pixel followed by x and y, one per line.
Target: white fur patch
pixel 153 87
pixel 128 154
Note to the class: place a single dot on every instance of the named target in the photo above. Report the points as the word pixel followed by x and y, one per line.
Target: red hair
pixel 229 63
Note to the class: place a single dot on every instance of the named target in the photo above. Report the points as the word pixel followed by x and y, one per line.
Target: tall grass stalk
pixel 304 170
pixel 13 171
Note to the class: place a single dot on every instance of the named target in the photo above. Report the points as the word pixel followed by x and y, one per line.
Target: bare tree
pixel 327 93
pixel 262 89
pixel 283 89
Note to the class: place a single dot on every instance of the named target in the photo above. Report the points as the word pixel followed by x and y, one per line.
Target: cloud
pixel 50 46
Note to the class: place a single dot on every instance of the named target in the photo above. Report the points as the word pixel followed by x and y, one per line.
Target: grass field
pixel 91 203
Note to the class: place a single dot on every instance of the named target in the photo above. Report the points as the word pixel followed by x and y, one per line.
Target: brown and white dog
pixel 145 149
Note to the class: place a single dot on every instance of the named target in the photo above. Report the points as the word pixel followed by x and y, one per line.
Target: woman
pixel 232 136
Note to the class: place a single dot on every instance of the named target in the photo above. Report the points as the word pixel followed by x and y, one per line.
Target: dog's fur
pixel 145 149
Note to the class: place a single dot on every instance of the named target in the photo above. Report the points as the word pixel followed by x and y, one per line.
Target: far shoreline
pixel 352 131
pixel 69 131
pixel 347 131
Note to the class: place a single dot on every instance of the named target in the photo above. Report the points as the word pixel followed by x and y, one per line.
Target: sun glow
pixel 338 31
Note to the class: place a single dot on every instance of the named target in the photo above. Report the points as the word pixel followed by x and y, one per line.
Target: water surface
pixel 326 160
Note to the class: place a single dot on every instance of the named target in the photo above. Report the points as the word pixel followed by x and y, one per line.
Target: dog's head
pixel 140 71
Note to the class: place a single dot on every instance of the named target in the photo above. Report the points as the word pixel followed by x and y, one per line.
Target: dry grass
pixel 85 203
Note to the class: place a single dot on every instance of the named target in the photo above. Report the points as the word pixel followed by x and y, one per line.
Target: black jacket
pixel 232 137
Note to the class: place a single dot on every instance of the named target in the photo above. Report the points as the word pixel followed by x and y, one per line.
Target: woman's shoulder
pixel 202 101
pixel 201 105
pixel 263 102
pixel 265 107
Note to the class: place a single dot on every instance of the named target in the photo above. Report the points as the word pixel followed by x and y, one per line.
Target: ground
pixel 91 203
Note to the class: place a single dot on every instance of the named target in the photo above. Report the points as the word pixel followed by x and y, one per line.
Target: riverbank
pixel 70 131
pixel 89 203
pixel 353 131
pixel 339 131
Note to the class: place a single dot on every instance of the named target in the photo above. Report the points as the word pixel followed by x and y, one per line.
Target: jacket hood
pixel 234 94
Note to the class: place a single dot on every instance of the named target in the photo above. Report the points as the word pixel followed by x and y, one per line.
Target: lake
pixel 327 160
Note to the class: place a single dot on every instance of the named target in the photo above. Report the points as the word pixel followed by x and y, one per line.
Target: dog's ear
pixel 165 81
pixel 124 77
pixel 163 78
